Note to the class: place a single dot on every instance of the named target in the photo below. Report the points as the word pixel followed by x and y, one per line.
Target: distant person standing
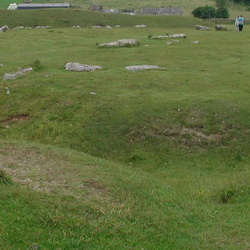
pixel 237 23
pixel 241 22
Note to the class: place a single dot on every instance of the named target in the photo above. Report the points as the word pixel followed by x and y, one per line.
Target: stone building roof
pixel 162 11
pixel 27 6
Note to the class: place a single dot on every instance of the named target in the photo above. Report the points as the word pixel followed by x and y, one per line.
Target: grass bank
pixel 71 17
pixel 71 200
pixel 114 159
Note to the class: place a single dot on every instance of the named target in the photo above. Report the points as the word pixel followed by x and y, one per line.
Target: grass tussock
pixel 5 179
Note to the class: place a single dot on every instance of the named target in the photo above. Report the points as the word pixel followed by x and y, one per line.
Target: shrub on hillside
pixel 246 2
pixel 205 12
pixel 208 12
pixel 222 13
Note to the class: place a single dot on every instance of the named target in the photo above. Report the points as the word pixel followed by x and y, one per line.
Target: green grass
pixel 4 4
pixel 116 160
pixel 187 6
pixel 68 18
pixel 77 201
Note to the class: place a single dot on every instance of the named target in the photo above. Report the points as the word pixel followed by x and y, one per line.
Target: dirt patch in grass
pixel 188 137
pixel 15 118
pixel 49 172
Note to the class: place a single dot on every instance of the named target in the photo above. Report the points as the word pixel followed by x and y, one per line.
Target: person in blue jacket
pixel 241 22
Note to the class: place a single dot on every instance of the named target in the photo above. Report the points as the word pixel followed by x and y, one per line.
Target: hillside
pixel 73 200
pixel 68 18
pixel 113 159
pixel 187 6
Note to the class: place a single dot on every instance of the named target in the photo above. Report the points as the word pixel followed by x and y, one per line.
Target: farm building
pixel 33 6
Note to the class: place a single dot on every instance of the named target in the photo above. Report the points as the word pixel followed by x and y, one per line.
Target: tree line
pixel 220 11
pixel 246 2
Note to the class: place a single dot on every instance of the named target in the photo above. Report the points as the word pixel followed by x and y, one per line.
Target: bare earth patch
pixel 48 172
pixel 17 118
pixel 188 137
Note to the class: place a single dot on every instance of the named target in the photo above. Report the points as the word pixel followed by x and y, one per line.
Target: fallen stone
pixel 19 27
pixel 120 43
pixel 72 66
pixel 4 28
pixel 220 27
pixel 7 90
pixel 200 27
pixel 143 67
pixel 43 27
pixel 77 27
pixel 172 42
pixel 178 36
pixel 17 74
pixel 141 26
pixel 169 36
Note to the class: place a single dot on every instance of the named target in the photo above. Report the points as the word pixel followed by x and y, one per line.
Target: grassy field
pixel 86 19
pixel 119 160
pixel 187 6
pixel 119 4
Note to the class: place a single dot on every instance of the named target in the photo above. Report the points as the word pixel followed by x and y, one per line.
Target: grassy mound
pixel 66 199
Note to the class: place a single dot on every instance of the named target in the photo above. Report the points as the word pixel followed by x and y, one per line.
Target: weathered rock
pixel 169 36
pixel 173 41
pixel 12 6
pixel 7 90
pixel 141 26
pixel 73 66
pixel 200 27
pixel 17 74
pixel 19 27
pixel 120 43
pixel 43 27
pixel 4 28
pixel 177 36
pixel 220 27
pixel 143 67
pixel 77 27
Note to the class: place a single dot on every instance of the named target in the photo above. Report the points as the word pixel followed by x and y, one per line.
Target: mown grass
pixel 170 153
